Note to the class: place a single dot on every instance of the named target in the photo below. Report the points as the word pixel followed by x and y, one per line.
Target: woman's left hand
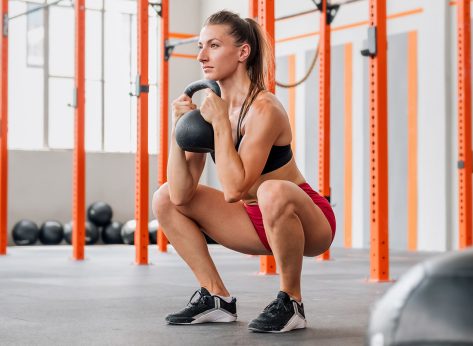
pixel 214 108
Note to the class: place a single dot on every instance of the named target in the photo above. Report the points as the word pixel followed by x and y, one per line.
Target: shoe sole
pixel 214 316
pixel 296 322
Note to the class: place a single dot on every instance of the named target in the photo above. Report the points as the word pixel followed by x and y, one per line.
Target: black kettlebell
pixel 193 133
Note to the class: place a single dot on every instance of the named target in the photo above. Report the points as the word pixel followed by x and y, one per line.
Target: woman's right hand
pixel 181 106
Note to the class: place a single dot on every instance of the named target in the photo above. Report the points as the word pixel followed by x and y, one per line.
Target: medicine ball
pixel 25 232
pixel 432 304
pixel 193 133
pixel 51 232
pixel 99 213
pixel 111 234
pixel 92 234
pixel 128 232
pixel 153 231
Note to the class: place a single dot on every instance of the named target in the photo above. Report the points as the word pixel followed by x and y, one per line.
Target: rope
pixel 312 65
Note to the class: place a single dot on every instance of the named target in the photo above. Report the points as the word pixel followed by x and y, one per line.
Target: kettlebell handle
pixel 202 84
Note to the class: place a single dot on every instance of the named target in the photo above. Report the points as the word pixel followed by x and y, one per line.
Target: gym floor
pixel 46 298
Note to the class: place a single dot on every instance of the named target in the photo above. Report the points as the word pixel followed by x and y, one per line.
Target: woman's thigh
pixel 285 194
pixel 227 223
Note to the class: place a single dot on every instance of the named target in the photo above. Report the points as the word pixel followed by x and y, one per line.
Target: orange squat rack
pixel 464 123
pixel 324 106
pixel 3 128
pixel 164 111
pixel 266 20
pixel 142 158
pixel 78 203
pixel 377 55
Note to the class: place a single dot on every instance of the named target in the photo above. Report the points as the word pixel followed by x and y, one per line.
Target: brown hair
pixel 260 62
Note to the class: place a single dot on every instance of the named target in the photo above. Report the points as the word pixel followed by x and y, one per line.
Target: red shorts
pixel 256 218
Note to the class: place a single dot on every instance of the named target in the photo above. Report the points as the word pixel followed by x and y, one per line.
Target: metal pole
pixel 464 123
pixel 78 204
pixel 142 158
pixel 324 108
pixel 4 128
pixel 164 111
pixel 379 247
pixel 266 20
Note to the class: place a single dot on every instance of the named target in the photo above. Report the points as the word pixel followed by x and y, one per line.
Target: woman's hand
pixel 181 106
pixel 214 108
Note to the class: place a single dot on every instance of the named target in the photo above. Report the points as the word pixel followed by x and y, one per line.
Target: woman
pixel 266 206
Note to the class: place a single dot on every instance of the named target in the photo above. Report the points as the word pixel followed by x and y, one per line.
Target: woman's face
pixel 218 55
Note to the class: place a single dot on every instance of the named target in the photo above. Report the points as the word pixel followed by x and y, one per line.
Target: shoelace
pixel 274 306
pixel 201 300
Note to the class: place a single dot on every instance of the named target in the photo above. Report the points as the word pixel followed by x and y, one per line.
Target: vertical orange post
pixel 142 158
pixel 164 111
pixel 292 99
pixel 78 204
pixel 464 123
pixel 412 141
pixel 379 250
pixel 4 128
pixel 324 108
pixel 253 8
pixel 266 20
pixel 348 144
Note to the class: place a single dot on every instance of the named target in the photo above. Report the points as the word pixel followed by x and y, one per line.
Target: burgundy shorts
pixel 254 213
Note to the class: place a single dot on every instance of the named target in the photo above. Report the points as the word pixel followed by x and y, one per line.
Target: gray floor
pixel 48 299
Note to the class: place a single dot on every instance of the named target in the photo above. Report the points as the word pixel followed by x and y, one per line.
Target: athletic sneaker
pixel 281 315
pixel 205 308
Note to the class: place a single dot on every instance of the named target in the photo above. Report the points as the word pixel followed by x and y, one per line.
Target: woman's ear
pixel 245 51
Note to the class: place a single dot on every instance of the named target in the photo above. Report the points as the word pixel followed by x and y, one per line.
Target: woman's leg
pixel 295 227
pixel 226 223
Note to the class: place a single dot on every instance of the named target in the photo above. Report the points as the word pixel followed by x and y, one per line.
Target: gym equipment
pixel 128 232
pixel 25 232
pixel 193 133
pixel 111 233
pixel 92 233
pixel 100 213
pixel 51 232
pixel 432 304
pixel 153 231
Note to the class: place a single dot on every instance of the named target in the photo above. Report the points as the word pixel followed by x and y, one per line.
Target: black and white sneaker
pixel 205 308
pixel 281 315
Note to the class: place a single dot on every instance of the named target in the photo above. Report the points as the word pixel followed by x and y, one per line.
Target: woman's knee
pixel 274 201
pixel 161 201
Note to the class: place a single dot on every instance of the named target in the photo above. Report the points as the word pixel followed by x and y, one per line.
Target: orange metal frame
pixel 324 109
pixel 4 129
pixel 292 99
pixel 412 141
pixel 78 203
pixel 352 25
pixel 464 123
pixel 266 20
pixel 164 122
pixel 253 9
pixel 142 158
pixel 379 250
pixel 348 143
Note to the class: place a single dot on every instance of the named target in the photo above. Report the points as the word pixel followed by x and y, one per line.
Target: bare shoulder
pixel 267 107
pixel 267 118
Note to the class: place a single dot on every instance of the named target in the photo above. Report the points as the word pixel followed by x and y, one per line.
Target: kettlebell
pixel 193 133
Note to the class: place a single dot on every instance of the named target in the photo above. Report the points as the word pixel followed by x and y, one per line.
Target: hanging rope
pixel 312 65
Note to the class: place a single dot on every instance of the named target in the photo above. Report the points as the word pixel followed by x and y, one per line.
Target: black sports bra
pixel 279 155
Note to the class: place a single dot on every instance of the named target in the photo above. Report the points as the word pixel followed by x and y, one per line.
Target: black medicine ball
pixel 25 232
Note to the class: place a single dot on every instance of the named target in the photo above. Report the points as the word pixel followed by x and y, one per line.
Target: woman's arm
pixel 184 168
pixel 237 172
